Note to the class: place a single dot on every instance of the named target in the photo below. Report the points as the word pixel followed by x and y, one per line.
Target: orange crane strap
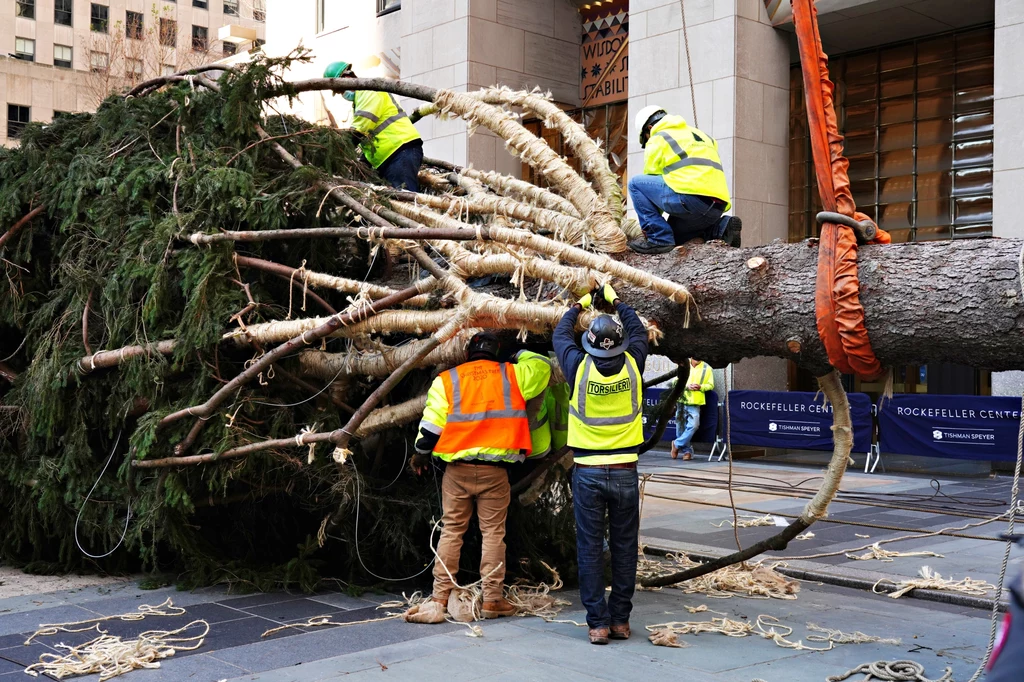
pixel 837 307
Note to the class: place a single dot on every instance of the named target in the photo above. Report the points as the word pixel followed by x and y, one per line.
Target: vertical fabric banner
pixel 957 426
pixel 794 420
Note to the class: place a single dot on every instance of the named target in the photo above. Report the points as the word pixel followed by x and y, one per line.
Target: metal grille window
pixel 386 6
pixel 231 7
pixel 62 56
pixel 199 38
pixel 229 49
pixel 25 8
pixel 99 18
pixel 917 118
pixel 168 32
pixel 201 4
pixel 259 10
pixel 25 49
pixel 62 12
pixel 17 117
pixel 134 25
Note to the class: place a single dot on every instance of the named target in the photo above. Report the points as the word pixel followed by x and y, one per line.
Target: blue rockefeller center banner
pixel 958 426
pixel 794 420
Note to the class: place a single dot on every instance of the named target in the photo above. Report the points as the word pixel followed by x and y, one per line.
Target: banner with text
pixel 794 420
pixel 706 432
pixel 604 55
pixel 958 426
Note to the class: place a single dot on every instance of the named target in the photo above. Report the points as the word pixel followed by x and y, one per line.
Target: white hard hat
pixel 644 114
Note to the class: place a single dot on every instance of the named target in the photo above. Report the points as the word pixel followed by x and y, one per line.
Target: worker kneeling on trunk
pixel 683 176
pixel 390 142
pixel 476 422
pixel 605 434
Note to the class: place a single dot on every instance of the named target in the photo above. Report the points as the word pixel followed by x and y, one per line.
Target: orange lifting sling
pixel 840 315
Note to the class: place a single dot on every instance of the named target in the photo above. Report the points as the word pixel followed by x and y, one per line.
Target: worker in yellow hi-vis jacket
pixel 700 380
pixel 389 140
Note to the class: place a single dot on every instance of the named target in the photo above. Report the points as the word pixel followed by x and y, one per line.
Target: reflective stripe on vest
pixel 385 137
pixel 579 410
pixel 480 424
pixel 506 412
pixel 621 425
pixel 684 158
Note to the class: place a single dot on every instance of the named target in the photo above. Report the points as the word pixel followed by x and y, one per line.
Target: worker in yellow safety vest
pixel 476 422
pixel 605 433
pixel 683 177
pixel 700 379
pixel 389 140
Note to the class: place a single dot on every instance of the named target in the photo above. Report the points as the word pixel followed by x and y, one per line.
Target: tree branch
pixel 16 227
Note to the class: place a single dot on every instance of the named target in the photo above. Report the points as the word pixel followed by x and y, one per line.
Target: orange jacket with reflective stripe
pixel 485 409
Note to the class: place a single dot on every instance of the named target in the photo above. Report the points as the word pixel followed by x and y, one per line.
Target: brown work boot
pixel 675 451
pixel 598 635
pixel 498 608
pixel 620 631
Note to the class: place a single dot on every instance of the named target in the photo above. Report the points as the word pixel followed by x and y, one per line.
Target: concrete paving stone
pixel 127 601
pixel 277 653
pixel 260 599
pixel 175 669
pixel 370 659
pixel 29 621
pixel 9 667
pixel 456 666
pixel 542 672
pixel 26 655
pixel 343 601
pixel 295 610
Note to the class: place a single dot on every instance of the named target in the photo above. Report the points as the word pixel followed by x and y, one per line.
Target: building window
pixel 167 70
pixel 62 12
pixel 62 56
pixel 168 32
pixel 57 115
pixel 99 18
pixel 231 7
pixel 98 62
pixel 199 38
pixel 259 10
pixel 201 4
pixel 917 118
pixel 133 69
pixel 25 49
pixel 25 8
pixel 230 49
pixel 386 6
pixel 17 117
pixel 134 25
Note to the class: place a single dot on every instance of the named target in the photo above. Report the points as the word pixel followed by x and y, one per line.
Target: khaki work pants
pixel 465 485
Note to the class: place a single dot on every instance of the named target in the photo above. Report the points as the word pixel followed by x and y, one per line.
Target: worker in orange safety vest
pixel 476 422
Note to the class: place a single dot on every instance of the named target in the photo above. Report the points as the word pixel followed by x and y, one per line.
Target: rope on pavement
pixel 896 671
pixel 1015 506
pixel 931 580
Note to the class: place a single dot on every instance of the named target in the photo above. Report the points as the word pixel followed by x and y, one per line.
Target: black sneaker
pixel 732 232
pixel 643 246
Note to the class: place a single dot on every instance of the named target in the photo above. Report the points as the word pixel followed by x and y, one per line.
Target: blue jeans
pixel 401 167
pixel 596 491
pixel 687 423
pixel 690 215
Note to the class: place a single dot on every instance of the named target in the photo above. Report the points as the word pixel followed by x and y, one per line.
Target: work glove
pixel 609 294
pixel 586 300
pixel 419 462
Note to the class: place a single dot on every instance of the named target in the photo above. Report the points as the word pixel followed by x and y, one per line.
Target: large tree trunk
pixel 951 301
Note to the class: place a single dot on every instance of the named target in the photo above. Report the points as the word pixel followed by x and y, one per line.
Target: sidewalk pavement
pixel 671 521
pixel 514 649
pixel 934 634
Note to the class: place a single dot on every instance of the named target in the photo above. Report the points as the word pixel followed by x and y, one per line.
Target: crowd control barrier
pixel 794 420
pixel 957 426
